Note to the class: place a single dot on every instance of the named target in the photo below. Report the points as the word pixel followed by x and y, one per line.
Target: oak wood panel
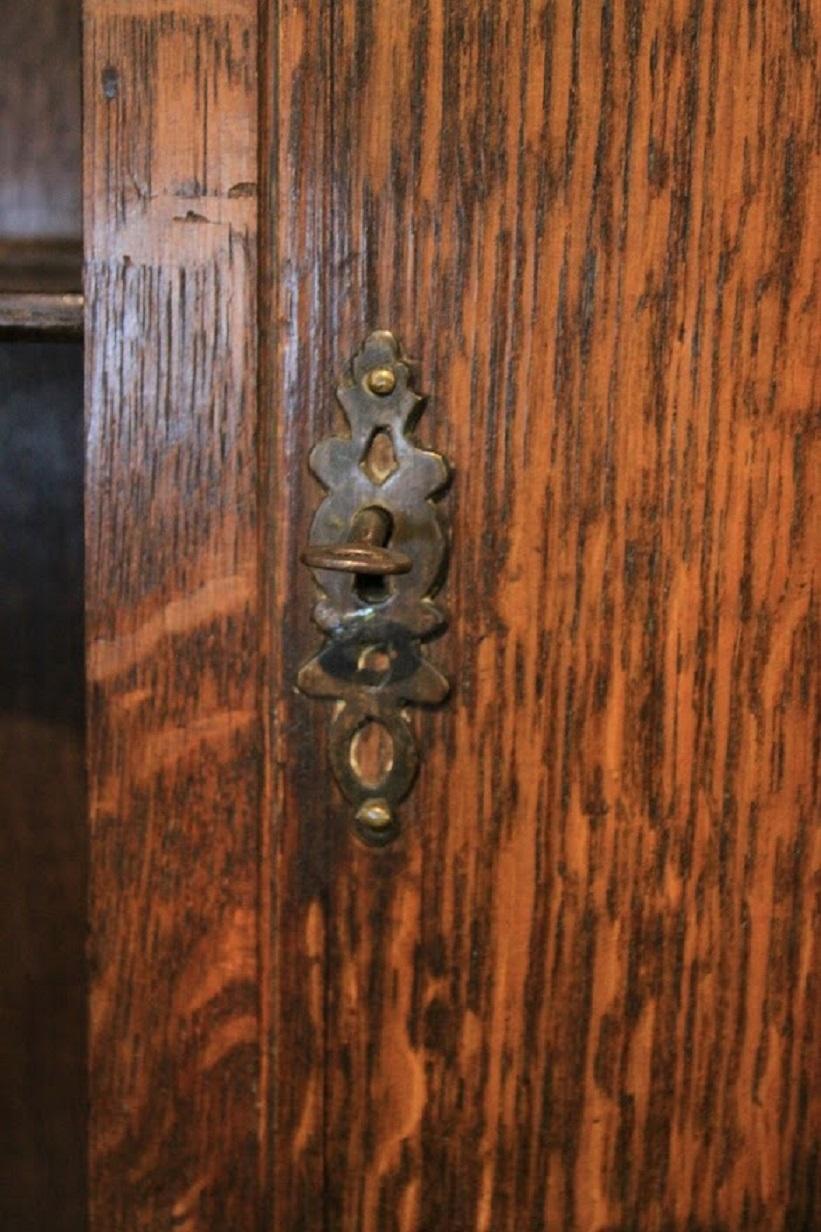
pixel 43 840
pixel 581 991
pixel 173 612
pixel 40 153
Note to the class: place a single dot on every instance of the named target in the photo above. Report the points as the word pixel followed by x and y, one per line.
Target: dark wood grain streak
pixel 173 612
pixel 581 992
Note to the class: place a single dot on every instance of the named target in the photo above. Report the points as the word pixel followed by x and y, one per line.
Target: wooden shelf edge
pixel 41 288
pixel 47 316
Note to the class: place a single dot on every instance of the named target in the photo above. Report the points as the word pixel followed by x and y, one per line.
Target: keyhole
pixel 371 588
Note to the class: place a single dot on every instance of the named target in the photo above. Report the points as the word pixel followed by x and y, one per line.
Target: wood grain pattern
pixel 43 840
pixel 40 184
pixel 581 992
pixel 173 612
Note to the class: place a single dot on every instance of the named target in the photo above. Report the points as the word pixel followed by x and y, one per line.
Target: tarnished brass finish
pixel 364 552
pixel 378 551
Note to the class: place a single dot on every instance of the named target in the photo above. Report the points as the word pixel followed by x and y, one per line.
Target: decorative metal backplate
pixel 378 514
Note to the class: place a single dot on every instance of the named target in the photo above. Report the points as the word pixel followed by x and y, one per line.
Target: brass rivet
pixel 375 814
pixel 381 381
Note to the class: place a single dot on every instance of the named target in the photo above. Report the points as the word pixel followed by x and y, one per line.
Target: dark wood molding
pixel 44 266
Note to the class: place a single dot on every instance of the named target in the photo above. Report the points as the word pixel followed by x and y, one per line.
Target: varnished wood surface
pixel 43 838
pixel 581 992
pixel 175 758
pixel 40 158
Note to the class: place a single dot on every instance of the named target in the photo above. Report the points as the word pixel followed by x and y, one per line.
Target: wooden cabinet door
pixel 580 989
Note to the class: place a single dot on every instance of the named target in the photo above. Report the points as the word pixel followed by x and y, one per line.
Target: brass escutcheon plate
pixel 378 551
